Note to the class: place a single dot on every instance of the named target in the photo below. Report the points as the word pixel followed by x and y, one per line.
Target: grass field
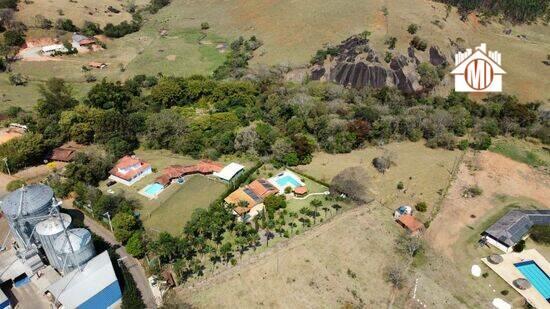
pixel 79 11
pixel 423 171
pixel 197 192
pixel 522 151
pixel 291 31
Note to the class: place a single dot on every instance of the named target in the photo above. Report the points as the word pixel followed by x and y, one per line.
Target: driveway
pixel 133 265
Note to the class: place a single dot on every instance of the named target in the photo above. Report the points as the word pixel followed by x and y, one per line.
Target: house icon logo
pixel 478 71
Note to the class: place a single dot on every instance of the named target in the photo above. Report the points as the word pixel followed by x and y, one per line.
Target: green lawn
pixel 197 192
pixel 522 151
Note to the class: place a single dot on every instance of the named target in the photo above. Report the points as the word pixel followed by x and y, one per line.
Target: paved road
pixel 131 263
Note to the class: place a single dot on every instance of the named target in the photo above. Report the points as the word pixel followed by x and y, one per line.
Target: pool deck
pixel 508 272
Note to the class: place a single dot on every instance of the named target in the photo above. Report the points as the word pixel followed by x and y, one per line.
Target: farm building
pixel 402 210
pixel 229 172
pixel 129 169
pixel 82 40
pixel 177 171
pixel 95 286
pixel 513 227
pixel 411 224
pixel 51 49
pixel 65 152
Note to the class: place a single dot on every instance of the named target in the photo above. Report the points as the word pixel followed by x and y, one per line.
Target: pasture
pixel 79 11
pixel 522 151
pixel 292 31
pixel 424 172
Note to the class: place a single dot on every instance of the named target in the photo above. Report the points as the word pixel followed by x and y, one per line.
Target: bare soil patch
pixel 497 176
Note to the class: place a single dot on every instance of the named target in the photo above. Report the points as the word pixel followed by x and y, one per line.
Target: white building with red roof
pixel 129 170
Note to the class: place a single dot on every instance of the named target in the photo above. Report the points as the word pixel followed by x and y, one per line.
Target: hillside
pixel 292 31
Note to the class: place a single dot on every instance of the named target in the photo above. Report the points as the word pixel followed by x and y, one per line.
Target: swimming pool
pixel 538 278
pixel 287 181
pixel 152 190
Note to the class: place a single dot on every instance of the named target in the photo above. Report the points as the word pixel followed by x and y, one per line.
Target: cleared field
pixel 423 171
pixel 455 231
pixel 79 11
pixel 197 192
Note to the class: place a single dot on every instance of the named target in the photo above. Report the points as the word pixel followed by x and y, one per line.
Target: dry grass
pixel 79 11
pixel 291 31
pixel 423 171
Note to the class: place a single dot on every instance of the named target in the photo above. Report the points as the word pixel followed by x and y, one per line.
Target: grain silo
pixel 47 232
pixel 74 248
pixel 23 207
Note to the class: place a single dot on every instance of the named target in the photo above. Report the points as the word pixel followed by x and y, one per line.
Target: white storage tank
pixel 82 246
pixel 22 206
pixel 47 232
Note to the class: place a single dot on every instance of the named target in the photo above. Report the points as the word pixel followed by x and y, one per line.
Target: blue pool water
pixel 153 189
pixel 538 278
pixel 286 181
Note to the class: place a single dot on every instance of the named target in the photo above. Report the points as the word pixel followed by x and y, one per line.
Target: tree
pixel 316 203
pixel 391 41
pixel 421 206
pixel 65 24
pixel 412 28
pixel 382 163
pixel 225 251
pixel 14 38
pixel 205 26
pixel 168 92
pixel 56 96
pixel 520 246
pixel 106 95
pixel 135 245
pixel 88 168
pixel 23 151
pixel 353 182
pixel 396 276
pixel 166 246
pixel 8 4
pixel 409 245
pixel 336 207
pixel 124 225
pixel 428 75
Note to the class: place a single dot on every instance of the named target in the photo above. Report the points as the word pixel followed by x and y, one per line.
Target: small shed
pixel 413 225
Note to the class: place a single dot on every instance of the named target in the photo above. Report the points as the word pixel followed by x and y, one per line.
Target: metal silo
pixel 23 206
pixel 47 231
pixel 74 248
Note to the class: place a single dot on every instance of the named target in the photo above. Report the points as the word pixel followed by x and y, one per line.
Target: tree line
pixel 515 10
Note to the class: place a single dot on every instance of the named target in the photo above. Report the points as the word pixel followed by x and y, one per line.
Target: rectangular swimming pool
pixel 538 278
pixel 153 189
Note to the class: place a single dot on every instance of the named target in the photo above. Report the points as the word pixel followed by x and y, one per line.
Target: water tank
pixel 82 245
pixel 47 231
pixel 21 207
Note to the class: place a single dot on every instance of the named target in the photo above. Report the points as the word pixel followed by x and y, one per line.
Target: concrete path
pixel 311 194
pixel 133 265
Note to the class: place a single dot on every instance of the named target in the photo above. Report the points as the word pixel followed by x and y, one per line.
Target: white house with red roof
pixel 129 170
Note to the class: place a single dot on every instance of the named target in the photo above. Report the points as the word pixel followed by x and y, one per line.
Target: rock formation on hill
pixel 356 64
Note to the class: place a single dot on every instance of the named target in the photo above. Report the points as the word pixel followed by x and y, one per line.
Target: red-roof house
pixel 177 171
pixel 129 170
pixel 411 224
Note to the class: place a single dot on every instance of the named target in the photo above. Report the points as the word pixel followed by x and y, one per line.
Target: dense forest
pixel 514 10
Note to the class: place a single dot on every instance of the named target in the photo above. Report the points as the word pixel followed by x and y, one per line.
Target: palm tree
pixel 292 226
pixel 326 209
pixel 316 204
pixel 336 207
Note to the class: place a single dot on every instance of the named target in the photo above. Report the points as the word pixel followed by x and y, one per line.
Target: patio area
pixel 505 267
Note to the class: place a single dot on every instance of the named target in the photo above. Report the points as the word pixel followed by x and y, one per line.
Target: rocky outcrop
pixel 437 57
pixel 357 65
